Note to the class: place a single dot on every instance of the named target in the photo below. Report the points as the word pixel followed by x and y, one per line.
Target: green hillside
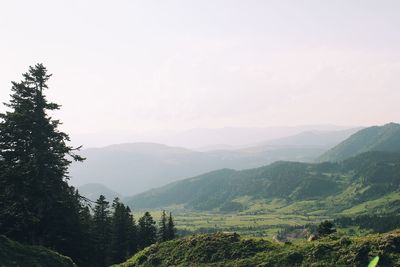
pixel 376 138
pixel 232 250
pixel 15 254
pixel 324 187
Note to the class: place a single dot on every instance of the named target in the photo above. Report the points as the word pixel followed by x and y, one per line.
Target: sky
pixel 130 66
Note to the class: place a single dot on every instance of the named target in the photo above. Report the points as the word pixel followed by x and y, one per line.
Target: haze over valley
pixel 135 167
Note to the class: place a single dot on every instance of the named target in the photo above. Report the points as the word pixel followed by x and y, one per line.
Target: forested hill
pixel 376 138
pixel 365 177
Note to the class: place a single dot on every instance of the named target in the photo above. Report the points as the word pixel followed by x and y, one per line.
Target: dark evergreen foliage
pixel 162 228
pixel 122 233
pixel 171 230
pixel 326 228
pixel 377 223
pixel 133 234
pixel 101 232
pixel 147 230
pixel 37 205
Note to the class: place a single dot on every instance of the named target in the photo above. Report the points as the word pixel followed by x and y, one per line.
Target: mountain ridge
pixel 131 168
pixel 375 138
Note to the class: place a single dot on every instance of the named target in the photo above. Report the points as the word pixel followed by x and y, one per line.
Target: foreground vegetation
pixel 15 254
pixel 229 249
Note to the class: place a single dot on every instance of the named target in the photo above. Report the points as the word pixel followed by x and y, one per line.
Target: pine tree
pixel 101 232
pixel 147 230
pixel 121 232
pixel 86 243
pixel 133 234
pixel 162 228
pixel 36 203
pixel 171 230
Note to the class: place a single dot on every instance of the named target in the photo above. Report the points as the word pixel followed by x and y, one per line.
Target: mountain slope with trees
pixel 334 186
pixel 376 138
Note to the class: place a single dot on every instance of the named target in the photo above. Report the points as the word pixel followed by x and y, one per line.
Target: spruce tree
pixel 86 243
pixel 101 232
pixel 147 230
pixel 120 232
pixel 133 234
pixel 36 203
pixel 162 228
pixel 171 230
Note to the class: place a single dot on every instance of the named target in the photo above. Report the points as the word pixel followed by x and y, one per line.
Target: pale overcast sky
pixel 129 66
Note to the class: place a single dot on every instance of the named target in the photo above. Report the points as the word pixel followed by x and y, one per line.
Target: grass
pixel 232 250
pixel 265 217
pixel 260 219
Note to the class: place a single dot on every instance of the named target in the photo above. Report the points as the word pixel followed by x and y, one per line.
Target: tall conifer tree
pixel 101 232
pixel 36 203
pixel 162 228
pixel 133 234
pixel 147 230
pixel 171 230
pixel 120 232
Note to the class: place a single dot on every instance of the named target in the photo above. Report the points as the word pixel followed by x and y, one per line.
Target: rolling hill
pixel 227 249
pixel 136 167
pixel 324 187
pixel 376 138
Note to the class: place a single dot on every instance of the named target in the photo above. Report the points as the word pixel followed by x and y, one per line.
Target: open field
pixel 266 218
pixel 261 219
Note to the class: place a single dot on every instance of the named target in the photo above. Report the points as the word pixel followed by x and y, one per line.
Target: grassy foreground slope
pixel 231 250
pixel 15 254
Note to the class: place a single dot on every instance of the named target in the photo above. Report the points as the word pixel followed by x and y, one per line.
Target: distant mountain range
pixel 201 138
pixel 136 167
pixel 93 191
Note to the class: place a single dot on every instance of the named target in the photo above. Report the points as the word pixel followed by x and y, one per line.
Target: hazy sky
pixel 132 66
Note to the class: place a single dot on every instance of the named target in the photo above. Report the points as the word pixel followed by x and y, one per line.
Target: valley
pixel 263 201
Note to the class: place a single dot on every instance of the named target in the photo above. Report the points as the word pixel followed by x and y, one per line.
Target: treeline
pixel 113 235
pixel 39 207
pixel 377 223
